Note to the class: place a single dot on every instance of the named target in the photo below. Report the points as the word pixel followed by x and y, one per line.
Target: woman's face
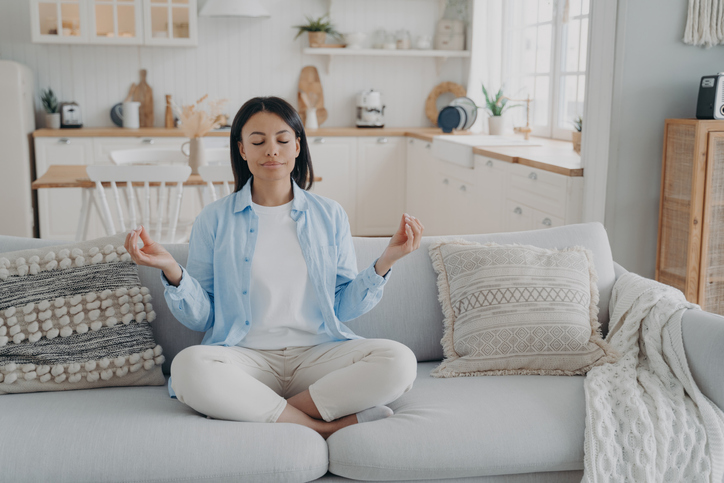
pixel 269 146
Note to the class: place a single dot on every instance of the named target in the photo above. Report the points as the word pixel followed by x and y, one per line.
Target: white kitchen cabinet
pixel 59 22
pixel 491 180
pixel 334 159
pixel 170 22
pixel 457 209
pixel 537 199
pixel 380 186
pixel 420 201
pixel 117 22
pixel 59 208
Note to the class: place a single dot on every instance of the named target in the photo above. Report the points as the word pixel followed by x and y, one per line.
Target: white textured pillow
pixel 517 309
pixel 75 317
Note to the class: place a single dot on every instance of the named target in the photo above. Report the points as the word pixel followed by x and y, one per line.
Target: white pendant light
pixel 233 8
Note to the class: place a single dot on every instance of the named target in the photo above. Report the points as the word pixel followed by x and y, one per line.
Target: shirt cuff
pixel 183 288
pixel 373 280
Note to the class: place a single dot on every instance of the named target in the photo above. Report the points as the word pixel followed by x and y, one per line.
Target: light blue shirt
pixel 213 295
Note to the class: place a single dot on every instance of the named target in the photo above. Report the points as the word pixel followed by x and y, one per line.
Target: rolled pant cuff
pixel 322 410
pixel 278 412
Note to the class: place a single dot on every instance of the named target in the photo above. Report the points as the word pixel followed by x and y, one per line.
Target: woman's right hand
pixel 152 254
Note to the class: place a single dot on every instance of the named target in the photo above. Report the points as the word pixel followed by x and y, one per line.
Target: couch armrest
pixel 703 335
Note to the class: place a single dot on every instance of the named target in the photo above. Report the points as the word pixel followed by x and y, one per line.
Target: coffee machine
pixel 370 111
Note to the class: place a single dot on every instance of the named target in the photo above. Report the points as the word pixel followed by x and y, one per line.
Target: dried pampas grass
pixel 196 122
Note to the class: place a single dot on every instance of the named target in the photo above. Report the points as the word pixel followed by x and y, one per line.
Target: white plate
pixel 471 110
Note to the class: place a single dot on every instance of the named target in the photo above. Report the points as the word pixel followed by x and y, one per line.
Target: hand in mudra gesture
pixel 406 239
pixel 152 254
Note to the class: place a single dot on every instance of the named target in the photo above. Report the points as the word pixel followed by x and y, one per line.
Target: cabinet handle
pixel 463 188
pixel 428 145
pixel 518 210
pixel 148 141
pixel 489 163
pixel 547 222
pixel 446 181
pixel 533 176
pixel 381 140
pixel 318 140
pixel 64 141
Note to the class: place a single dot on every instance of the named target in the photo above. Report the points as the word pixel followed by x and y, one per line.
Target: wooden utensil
pixel 144 95
pixel 169 113
pixel 309 84
pixel 130 92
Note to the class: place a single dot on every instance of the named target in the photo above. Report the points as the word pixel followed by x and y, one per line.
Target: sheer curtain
pixel 485 55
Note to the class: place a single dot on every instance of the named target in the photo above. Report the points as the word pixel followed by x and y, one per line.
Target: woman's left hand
pixel 405 240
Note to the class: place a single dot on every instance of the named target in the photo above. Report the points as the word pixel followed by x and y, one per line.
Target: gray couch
pixel 481 429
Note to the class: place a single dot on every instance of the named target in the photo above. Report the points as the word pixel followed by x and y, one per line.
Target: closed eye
pixel 259 144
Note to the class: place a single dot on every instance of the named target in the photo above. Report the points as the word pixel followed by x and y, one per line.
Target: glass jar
pixel 403 39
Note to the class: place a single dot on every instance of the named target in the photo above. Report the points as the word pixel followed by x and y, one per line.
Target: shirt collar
pixel 243 197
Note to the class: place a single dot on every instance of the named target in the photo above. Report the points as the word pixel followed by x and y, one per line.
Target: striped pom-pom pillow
pixel 75 317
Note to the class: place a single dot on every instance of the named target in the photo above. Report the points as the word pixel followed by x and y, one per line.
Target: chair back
pixel 167 209
pixel 217 174
pixel 148 156
pixel 217 156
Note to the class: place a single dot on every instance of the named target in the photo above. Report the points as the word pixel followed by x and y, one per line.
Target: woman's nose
pixel 272 149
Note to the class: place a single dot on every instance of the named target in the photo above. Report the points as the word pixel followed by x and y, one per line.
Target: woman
pixel 271 276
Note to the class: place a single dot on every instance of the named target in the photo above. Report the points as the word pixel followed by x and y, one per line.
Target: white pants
pixel 242 384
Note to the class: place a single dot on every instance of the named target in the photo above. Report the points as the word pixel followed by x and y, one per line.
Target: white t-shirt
pixel 284 308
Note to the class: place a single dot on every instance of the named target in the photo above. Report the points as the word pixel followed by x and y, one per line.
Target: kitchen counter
pixel 553 155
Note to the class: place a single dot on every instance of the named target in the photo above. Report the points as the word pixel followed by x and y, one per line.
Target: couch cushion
pixel 75 317
pixel 409 311
pixel 468 426
pixel 140 434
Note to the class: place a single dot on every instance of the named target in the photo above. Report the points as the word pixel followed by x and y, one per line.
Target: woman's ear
pixel 241 150
pixel 299 148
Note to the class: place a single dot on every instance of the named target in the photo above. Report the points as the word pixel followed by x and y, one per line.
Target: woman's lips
pixel 272 165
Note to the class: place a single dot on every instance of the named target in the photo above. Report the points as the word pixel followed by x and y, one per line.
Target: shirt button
pixel 244 292
pixel 246 259
pixel 247 322
pixel 252 230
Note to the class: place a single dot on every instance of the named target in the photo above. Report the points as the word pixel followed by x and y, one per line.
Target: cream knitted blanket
pixel 646 420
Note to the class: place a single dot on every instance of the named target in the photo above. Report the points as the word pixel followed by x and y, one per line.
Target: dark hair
pixel 303 174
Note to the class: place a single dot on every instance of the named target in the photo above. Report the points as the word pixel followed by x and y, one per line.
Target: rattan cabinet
pixel 690 254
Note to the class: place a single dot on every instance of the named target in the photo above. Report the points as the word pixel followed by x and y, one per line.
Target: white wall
pixel 656 77
pixel 239 58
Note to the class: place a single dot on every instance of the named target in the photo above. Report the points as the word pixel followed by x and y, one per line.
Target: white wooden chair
pixel 215 174
pixel 166 175
pixel 148 156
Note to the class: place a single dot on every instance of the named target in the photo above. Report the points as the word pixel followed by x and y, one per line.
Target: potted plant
pixel 495 107
pixel 317 30
pixel 576 135
pixel 50 104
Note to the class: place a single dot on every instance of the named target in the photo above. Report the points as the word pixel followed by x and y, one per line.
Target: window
pixel 544 56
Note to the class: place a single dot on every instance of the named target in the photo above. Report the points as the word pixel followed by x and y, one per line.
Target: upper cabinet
pixel 170 22
pixel 115 22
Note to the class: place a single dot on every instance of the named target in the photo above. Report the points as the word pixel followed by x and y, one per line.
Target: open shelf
pixel 440 56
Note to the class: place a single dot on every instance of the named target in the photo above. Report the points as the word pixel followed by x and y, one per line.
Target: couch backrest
pixel 409 311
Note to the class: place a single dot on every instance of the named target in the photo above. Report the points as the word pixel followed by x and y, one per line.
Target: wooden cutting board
pixel 309 83
pixel 144 95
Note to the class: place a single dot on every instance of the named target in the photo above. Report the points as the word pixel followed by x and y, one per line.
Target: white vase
pixel 52 120
pixel 495 125
pixel 311 118
pixel 196 154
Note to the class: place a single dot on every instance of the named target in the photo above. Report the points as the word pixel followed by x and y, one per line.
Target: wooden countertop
pixel 554 155
pixel 75 176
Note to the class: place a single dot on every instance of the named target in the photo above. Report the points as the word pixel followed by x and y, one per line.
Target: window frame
pixel 555 74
